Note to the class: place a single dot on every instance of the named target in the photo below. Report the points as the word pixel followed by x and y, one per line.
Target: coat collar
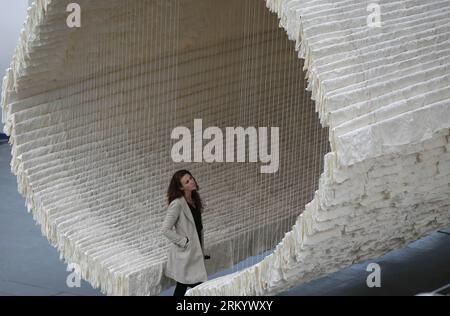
pixel 186 209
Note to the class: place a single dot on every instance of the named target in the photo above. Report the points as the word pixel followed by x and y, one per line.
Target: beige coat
pixel 185 261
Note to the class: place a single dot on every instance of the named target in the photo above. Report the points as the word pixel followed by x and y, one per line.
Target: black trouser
pixel 181 288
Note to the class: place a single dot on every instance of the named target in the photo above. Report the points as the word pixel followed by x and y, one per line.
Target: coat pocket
pixel 183 252
pixel 187 246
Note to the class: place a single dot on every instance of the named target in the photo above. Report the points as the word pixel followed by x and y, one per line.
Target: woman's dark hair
pixel 174 191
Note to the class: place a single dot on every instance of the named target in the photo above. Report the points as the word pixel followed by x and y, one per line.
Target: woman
pixel 186 257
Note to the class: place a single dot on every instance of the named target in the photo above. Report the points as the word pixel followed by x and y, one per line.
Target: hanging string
pixel 261 122
pixel 117 99
pixel 124 105
pixel 212 98
pixel 304 129
pixel 131 100
pixel 257 97
pixel 146 109
pixel 108 104
pixel 286 137
pixel 296 83
pixel 248 122
pixel 176 51
pixel 279 105
pixel 147 60
pixel 254 106
pixel 234 222
pixel 137 92
pixel 246 51
pixel 239 121
pixel 236 170
pixel 102 42
pixel 122 99
pixel 286 134
pixel 133 110
pixel 160 90
pixel 151 56
pixel 268 121
pixel 229 61
pixel 83 102
pixel 261 49
pixel 310 110
pixel 294 78
pixel 246 101
pixel 142 109
pixel 152 88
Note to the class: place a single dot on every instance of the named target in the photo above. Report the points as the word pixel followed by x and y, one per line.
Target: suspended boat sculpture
pixel 360 165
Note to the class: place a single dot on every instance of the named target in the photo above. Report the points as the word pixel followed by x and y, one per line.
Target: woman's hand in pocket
pixel 186 244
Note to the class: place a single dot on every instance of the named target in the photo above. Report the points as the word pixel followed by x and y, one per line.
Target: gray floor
pixel 30 266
